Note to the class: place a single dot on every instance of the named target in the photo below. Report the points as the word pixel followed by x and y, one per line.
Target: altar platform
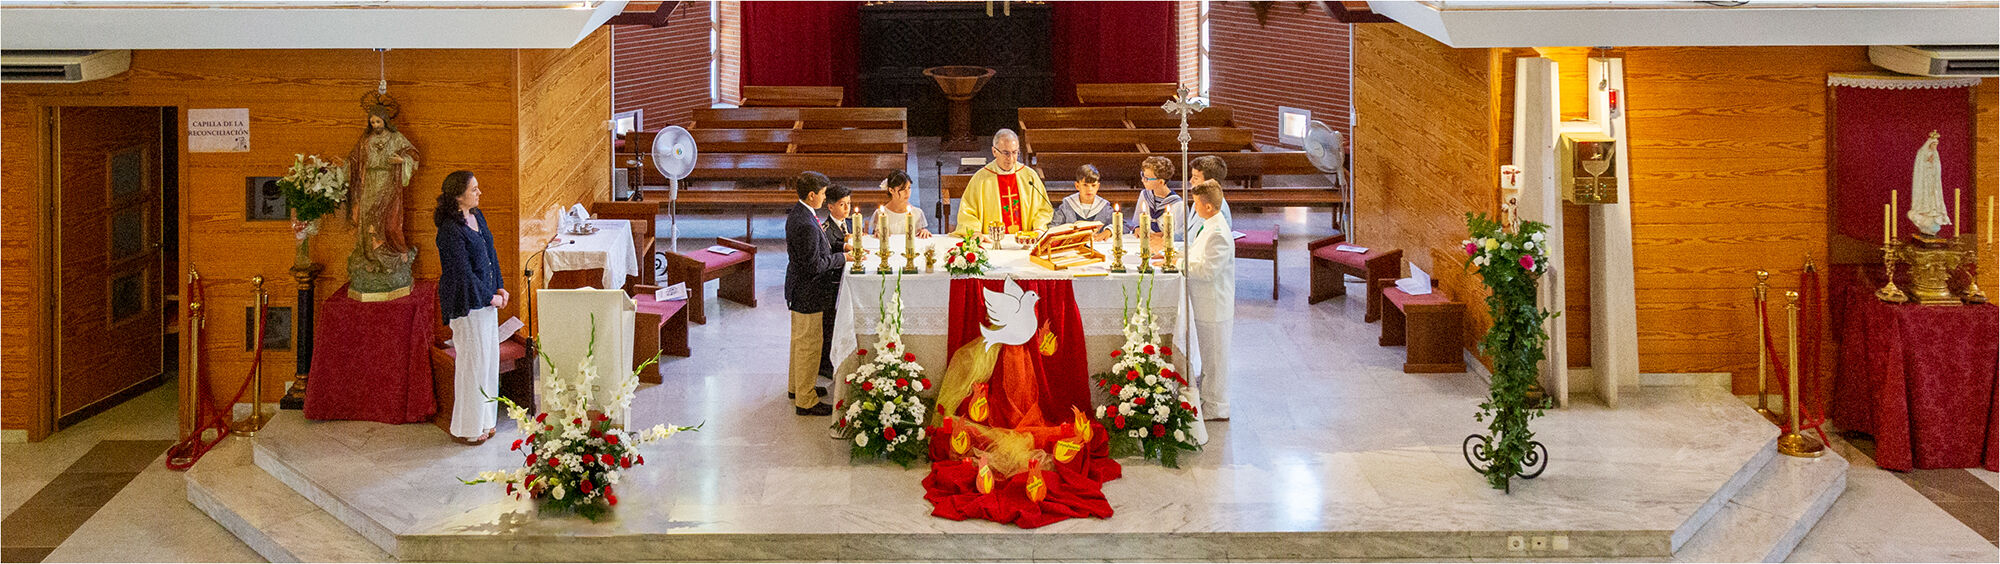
pixel 1683 474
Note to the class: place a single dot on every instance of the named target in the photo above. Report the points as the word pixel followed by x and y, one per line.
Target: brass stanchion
pixel 249 425
pixel 1791 443
pixel 191 395
pixel 1761 294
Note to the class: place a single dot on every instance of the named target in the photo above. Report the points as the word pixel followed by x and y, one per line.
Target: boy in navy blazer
pixel 811 261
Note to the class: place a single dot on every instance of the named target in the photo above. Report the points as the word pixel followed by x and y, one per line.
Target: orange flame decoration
pixel 1066 450
pixel 1082 425
pixel 1038 490
pixel 985 477
pixel 978 409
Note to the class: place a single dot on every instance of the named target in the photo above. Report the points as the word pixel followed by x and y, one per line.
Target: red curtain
pixel 1110 42
pixel 802 44
pixel 1877 132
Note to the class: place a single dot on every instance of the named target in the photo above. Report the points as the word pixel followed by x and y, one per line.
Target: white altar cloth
pixel 610 248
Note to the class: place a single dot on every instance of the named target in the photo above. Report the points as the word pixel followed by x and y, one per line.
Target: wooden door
pixel 109 311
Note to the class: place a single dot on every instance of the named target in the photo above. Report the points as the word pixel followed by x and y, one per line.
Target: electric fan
pixel 673 155
pixel 1324 148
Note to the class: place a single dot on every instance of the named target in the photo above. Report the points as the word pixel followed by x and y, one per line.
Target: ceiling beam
pixel 657 18
pixel 1353 12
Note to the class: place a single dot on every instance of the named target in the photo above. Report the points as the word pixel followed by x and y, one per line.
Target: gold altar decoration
pixel 1118 240
pixel 1067 246
pixel 1791 442
pixel 930 259
pixel 910 243
pixel 856 256
pixel 1583 161
pixel 1171 264
pixel 1933 261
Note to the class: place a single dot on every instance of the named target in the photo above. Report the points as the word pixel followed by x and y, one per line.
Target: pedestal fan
pixel 1325 148
pixel 673 155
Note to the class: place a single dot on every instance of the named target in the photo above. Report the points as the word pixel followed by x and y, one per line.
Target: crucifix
pixel 1184 104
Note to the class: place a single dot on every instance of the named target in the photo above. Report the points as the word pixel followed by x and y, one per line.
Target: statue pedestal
pixel 370 282
pixel 372 360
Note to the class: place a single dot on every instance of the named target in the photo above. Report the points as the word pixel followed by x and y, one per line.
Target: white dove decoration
pixel 1010 315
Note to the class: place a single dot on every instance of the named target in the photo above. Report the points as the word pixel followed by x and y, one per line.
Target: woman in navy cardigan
pixel 470 294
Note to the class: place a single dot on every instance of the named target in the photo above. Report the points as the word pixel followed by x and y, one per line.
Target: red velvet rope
pixel 207 415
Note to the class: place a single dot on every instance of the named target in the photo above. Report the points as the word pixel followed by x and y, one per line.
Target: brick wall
pixel 1298 58
pixel 663 71
pixel 1187 42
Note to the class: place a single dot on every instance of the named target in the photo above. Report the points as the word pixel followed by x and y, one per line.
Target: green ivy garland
pixel 1510 263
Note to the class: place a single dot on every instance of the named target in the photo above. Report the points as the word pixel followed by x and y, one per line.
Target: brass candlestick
pixel 1760 293
pixel 857 258
pixel 1889 292
pixel 1169 264
pixel 1118 253
pixel 910 262
pixel 1793 443
pixel 1145 242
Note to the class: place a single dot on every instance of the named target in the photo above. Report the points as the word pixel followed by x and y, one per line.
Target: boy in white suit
pixel 1211 282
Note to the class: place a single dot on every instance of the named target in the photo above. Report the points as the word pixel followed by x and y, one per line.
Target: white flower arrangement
pixel 884 412
pixel 1150 401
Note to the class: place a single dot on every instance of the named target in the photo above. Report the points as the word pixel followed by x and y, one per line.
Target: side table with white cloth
pixel 572 259
pixel 1102 300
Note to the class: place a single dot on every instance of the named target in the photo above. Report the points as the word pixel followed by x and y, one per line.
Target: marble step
pixel 1770 515
pixel 275 521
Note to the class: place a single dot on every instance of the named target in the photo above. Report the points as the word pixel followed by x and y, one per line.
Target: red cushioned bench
pixel 738 272
pixel 1328 265
pixel 1260 244
pixel 662 329
pixel 517 383
pixel 1429 326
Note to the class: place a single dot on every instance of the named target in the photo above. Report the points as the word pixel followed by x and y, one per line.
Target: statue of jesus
pixel 383 162
pixel 1927 207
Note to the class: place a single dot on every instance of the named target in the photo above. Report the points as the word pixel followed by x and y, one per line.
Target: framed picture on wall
pixel 277 328
pixel 262 200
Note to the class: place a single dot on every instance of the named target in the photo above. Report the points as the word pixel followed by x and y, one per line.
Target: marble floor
pixel 1273 465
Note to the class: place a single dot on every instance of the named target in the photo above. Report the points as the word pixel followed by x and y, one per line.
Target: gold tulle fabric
pixel 1007 451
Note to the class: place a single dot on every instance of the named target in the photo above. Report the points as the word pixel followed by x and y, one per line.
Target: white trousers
pixel 476 338
pixel 1213 340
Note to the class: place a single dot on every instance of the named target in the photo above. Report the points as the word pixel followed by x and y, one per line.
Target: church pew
pixel 1072 140
pixel 1124 166
pixel 800 118
pixel 1119 116
pixel 801 140
pixel 952 187
pixel 1103 94
pixel 792 96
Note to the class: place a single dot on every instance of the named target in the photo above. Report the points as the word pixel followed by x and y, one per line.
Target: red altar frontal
pixel 371 360
pixel 1921 379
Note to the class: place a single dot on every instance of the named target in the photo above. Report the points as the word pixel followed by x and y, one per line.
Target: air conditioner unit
pixel 1938 60
pixel 20 66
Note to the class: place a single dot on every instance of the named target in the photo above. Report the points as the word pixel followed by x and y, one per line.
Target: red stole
pixel 1010 200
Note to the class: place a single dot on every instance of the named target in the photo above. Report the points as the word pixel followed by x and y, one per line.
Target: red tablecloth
pixel 1921 379
pixel 372 361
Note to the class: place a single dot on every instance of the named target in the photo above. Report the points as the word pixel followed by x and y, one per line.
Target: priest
pixel 1005 192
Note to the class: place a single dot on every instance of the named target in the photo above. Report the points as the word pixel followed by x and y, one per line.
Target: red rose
pixel 1132 374
pixel 842 424
pixel 603 417
pixel 596 433
pixel 889 433
pixel 541 418
pixel 1116 388
pixel 862 352
pixel 1147 350
pixel 891 345
pixel 926 382
pixel 611 439
pixel 530 480
pixel 1186 407
pixel 1114 354
pixel 909 357
pixel 868 386
pixel 902 382
pixel 969 258
pixel 1118 421
pixel 1166 351
pixel 625 462
pixel 548 427
pixel 611 498
pixel 640 459
pixel 531 462
pixel 577 421
pixel 585 486
pixel 1159 430
pixel 1169 374
pixel 517 445
pixel 842 404
pixel 610 460
pixel 1139 400
pixel 531 438
pixel 510 489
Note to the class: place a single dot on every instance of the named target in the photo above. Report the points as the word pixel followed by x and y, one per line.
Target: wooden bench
pixel 800 118
pixel 952 186
pixel 1327 265
pixel 1120 116
pixel 737 271
pixel 800 141
pixel 517 382
pixel 1245 167
pixel 1260 244
pixel 1077 140
pixel 1097 94
pixel 662 329
pixel 792 96
pixel 1428 326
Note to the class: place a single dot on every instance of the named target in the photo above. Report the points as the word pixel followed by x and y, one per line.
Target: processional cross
pixel 1184 103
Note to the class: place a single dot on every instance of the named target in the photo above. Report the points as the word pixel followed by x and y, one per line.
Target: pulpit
pixel 570 319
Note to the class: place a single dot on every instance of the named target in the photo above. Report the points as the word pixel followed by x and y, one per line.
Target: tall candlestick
pixel 1895 227
pixel 1888 215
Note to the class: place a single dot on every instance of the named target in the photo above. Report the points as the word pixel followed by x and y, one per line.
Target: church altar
pixel 1100 299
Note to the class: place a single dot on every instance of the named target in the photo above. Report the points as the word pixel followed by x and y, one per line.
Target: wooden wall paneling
pixel 457 107
pixel 564 150
pixel 24 289
pixel 1299 59
pixel 1425 152
pixel 1986 183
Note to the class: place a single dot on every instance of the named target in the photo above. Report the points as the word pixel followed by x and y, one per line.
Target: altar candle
pixel 1888 213
pixel 1145 235
pixel 910 233
pixel 1957 199
pixel 1894 228
pixel 881 236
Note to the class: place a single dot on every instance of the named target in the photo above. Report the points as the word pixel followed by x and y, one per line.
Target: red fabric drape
pixel 1877 132
pixel 1067 371
pixel 802 44
pixel 1110 42
pixel 372 360
pixel 1921 379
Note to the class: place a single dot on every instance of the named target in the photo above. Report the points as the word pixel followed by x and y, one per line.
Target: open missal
pixel 1067 246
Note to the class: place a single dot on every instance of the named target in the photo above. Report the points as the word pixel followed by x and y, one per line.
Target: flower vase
pixel 302 261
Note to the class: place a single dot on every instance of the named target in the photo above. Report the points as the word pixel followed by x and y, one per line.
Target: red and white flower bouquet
pixel 883 413
pixel 1151 409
